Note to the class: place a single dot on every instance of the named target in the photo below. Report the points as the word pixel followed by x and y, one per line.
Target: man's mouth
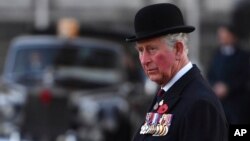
pixel 152 71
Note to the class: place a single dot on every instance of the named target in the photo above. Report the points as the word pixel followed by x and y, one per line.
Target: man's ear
pixel 179 49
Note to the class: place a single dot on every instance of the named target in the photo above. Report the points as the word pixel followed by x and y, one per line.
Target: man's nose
pixel 145 58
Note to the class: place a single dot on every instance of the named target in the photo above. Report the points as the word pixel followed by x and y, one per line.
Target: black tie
pixel 160 93
pixel 159 97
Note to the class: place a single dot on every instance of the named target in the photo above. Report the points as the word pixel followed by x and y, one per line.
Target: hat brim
pixel 178 29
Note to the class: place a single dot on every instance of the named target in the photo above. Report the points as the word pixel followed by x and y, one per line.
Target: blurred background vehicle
pixel 76 87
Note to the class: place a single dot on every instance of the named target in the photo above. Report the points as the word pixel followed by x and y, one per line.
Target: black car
pixel 77 87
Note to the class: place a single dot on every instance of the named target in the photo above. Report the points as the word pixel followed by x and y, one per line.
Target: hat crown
pixel 157 17
pixel 157 20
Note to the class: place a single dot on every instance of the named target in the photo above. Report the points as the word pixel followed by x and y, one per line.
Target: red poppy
pixel 162 109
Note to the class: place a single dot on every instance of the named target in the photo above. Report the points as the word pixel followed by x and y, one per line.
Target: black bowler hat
pixel 158 19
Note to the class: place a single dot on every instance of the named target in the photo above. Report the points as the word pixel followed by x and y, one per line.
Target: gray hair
pixel 171 39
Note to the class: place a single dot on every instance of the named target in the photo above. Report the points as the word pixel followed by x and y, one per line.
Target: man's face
pixel 225 37
pixel 157 59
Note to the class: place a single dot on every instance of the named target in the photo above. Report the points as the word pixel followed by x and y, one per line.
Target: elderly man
pixel 185 109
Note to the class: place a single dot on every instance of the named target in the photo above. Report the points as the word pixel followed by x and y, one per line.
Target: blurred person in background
pixel 35 62
pixel 228 73
pixel 68 28
pixel 185 108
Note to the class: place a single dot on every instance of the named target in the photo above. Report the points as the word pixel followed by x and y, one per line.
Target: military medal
pixel 155 130
pixel 156 124
pixel 156 118
pixel 143 129
pixel 166 119
pixel 161 130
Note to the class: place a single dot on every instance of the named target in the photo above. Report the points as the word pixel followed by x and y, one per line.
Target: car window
pixel 70 62
pixel 34 60
pixel 87 57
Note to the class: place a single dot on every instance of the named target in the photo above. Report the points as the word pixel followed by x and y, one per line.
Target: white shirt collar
pixel 177 76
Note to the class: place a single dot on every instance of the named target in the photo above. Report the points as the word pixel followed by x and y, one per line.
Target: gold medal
pixel 157 130
pixel 166 130
pixel 162 131
pixel 156 124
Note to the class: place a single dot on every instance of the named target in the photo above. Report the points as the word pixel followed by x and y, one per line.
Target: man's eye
pixel 152 49
pixel 139 50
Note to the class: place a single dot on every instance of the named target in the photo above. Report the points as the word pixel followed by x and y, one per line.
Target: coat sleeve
pixel 203 122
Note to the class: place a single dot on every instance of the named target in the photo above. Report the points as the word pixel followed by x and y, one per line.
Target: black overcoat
pixel 197 114
pixel 233 70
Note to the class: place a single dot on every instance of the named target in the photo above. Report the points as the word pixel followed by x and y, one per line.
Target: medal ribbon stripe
pixel 156 124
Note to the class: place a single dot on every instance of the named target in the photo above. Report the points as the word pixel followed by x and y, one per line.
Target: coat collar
pixel 172 96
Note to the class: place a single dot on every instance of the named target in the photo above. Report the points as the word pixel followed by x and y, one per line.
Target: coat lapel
pixel 173 94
